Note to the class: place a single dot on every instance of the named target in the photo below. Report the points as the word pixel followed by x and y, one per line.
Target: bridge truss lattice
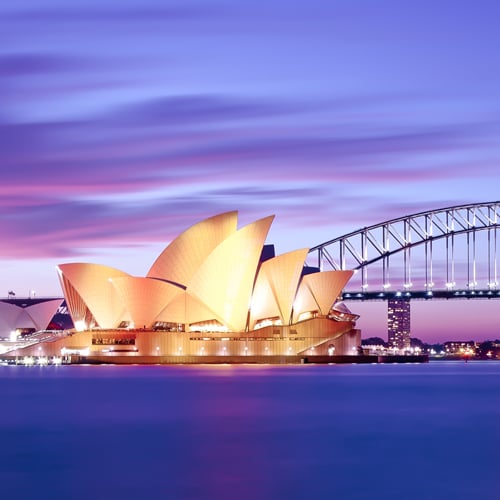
pixel 449 248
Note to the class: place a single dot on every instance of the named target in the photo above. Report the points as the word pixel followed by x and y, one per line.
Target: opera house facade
pixel 215 291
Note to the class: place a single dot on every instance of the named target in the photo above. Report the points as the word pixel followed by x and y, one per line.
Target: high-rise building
pixel 398 323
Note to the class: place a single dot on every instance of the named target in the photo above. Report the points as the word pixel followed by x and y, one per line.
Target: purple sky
pixel 123 123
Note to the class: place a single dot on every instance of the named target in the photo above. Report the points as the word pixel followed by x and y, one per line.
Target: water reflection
pixel 249 432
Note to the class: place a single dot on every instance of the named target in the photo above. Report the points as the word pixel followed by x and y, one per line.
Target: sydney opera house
pixel 216 291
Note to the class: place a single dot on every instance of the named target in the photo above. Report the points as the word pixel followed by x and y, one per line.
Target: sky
pixel 122 123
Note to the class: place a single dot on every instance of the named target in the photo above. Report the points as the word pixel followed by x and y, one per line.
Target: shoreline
pixel 203 360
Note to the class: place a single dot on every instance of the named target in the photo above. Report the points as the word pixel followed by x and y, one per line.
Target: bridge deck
pixel 423 295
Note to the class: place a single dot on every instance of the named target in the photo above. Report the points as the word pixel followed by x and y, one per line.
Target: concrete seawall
pixel 132 359
pixel 275 360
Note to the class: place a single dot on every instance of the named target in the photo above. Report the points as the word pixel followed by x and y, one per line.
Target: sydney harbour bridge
pixel 448 253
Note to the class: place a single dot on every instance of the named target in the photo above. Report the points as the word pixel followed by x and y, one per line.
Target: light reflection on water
pixel 246 432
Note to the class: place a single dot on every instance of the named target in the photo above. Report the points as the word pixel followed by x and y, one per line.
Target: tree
pixel 374 341
pixel 414 342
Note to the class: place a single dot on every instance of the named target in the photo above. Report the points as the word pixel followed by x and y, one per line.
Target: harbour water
pixel 413 431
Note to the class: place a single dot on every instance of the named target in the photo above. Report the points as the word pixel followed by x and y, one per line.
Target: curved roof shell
pixel 276 287
pixel 41 313
pixel 92 282
pixel 319 291
pixel 144 298
pixel 225 280
pixel 37 315
pixel 8 317
pixel 184 255
pixel 187 309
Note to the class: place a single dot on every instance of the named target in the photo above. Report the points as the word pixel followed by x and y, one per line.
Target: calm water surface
pixel 251 432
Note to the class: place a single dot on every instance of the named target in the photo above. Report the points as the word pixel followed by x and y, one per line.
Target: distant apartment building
pixel 398 323
pixel 460 347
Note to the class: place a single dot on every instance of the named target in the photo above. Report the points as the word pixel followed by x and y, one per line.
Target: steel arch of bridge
pixel 378 243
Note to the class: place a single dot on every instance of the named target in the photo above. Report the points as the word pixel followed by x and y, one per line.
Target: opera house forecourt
pixel 216 293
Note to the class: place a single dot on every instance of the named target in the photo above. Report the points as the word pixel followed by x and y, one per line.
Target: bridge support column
pixel 398 323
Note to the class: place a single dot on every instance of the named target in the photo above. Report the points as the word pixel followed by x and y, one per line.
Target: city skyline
pixel 124 124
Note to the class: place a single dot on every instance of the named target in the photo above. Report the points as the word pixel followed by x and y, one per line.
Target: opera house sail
pixel 215 291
